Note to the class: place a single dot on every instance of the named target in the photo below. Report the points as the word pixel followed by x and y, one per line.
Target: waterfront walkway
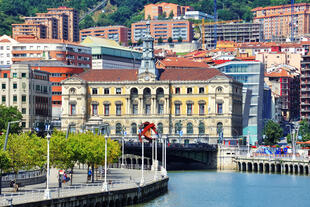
pixel 117 178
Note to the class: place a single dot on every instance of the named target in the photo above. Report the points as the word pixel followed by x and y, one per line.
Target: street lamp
pixel 105 184
pixel 4 148
pixel 156 161
pixel 47 192
pixel 123 146
pixel 7 133
pixel 142 167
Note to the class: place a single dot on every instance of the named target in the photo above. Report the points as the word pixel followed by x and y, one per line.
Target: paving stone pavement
pixel 117 179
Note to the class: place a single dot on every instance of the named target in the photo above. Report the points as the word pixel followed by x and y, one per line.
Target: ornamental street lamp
pixel 47 192
pixel 105 184
pixel 142 167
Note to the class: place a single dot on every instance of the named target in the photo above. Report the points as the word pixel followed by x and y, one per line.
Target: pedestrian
pixel 89 175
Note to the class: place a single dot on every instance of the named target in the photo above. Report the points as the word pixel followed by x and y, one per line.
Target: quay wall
pixel 111 198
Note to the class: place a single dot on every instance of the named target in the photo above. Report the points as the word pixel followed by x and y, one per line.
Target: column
pixel 153 108
pixel 166 106
pixel 140 106
pixel 128 106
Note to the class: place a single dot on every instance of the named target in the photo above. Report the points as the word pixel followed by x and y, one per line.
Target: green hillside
pixel 124 12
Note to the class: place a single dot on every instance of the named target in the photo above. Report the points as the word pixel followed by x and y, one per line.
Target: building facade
pixel 6 44
pixel 108 54
pixel 29 49
pixel 277 20
pixel 154 11
pixel 202 103
pixel 163 29
pixel 58 23
pixel 119 34
pixel 305 87
pixel 29 90
pixel 284 84
pixel 251 74
pixel 237 32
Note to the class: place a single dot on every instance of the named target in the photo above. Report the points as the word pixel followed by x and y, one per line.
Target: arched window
pixel 219 89
pixel 134 91
pixel 72 91
pixel 178 127
pixel 189 128
pixel 201 128
pixel 160 128
pixel 219 127
pixel 134 129
pixel 105 129
pixel 118 129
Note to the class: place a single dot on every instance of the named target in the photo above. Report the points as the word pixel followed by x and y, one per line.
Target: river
pixel 233 189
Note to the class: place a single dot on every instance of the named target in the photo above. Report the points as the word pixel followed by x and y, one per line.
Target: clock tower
pixel 147 70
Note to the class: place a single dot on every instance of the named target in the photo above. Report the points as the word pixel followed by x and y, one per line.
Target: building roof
pixel 119 75
pixel 31 39
pixel 278 74
pixel 181 62
pixel 110 75
pixel 278 7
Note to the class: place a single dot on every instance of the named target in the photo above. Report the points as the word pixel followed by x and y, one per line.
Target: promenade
pixel 118 179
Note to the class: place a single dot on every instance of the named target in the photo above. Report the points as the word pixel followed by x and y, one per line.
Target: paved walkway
pixel 117 178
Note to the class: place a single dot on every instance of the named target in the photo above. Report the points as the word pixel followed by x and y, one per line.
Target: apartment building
pixel 118 33
pixel 58 23
pixel 237 32
pixel 153 11
pixel 163 29
pixel 6 44
pixel 277 20
pixel 29 90
pixel 31 49
pixel 305 87
pixel 283 80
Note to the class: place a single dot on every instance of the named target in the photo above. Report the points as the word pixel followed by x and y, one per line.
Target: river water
pixel 234 189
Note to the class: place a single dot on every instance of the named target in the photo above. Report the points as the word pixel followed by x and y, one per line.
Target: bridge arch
pixel 286 168
pixel 272 168
pixel 111 203
pixel 135 200
pixel 129 201
pixel 239 166
pixel 296 169
pixel 255 167
pixel 291 169
pixel 278 168
pixel 301 169
pixel 250 167
pixel 267 168
pixel 243 166
pixel 261 167
pixel 307 170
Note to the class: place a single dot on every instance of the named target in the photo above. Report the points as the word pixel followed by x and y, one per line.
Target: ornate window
pixel 160 128
pixel 73 109
pixel 219 90
pixel 106 109
pixel 72 91
pixel 160 108
pixel 95 109
pixel 219 108
pixel 189 107
pixel 177 109
pixel 134 129
pixel 118 129
pixel 201 109
pixel 201 90
pixel 201 128
pixel 134 109
pixel 219 128
pixel 189 128
pixel 94 91
pixel 178 127
pixel 118 109
pixel 189 90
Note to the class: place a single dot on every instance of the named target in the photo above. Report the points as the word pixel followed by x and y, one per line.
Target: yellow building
pixel 198 102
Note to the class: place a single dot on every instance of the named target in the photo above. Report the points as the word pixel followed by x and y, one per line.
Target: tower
pixel 147 68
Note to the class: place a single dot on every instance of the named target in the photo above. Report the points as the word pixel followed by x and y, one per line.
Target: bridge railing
pixel 174 145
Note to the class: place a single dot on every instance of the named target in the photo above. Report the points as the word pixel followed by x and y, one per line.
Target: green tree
pixel 8 114
pixel 273 132
pixel 160 40
pixel 170 40
pixel 171 15
pixel 304 130
pixel 180 39
pixel 129 42
pixel 139 42
pixel 87 22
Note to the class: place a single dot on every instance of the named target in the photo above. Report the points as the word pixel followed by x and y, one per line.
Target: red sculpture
pixel 145 130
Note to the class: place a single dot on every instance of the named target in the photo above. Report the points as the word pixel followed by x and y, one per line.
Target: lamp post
pixel 7 133
pixel 248 144
pixel 142 167
pixel 123 147
pixel 47 192
pixel 105 184
pixel 163 167
pixel 4 148
pixel 156 161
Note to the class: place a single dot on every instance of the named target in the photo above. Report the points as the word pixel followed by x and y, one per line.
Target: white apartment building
pixel 6 44
pixel 28 90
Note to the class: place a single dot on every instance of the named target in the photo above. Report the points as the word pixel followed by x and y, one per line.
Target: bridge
pixel 273 164
pixel 179 156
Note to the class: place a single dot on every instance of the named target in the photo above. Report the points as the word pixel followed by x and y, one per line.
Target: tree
pixel 87 22
pixel 273 132
pixel 129 42
pixel 139 42
pixel 170 40
pixel 160 40
pixel 10 114
pixel 171 15
pixel 304 130
pixel 180 39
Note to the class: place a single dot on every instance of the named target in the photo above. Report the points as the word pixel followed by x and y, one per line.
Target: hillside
pixel 124 12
